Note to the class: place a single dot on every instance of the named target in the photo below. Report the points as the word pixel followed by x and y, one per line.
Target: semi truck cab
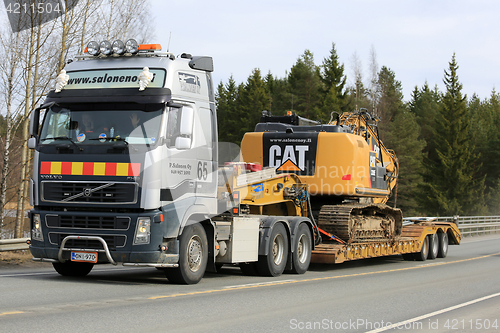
pixel 113 163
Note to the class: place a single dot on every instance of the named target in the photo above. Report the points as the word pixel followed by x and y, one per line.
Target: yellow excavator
pixel 348 171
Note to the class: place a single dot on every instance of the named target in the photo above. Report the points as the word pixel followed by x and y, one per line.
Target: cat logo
pixel 295 154
pixel 293 158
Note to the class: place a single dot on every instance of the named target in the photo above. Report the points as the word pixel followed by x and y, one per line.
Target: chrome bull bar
pixel 95 238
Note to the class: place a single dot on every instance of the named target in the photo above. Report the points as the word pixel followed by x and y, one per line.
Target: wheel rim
pixel 445 243
pixel 435 244
pixel 278 249
pixel 195 253
pixel 303 248
pixel 425 248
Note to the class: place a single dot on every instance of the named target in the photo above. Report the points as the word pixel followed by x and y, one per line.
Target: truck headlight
pixel 36 231
pixel 142 230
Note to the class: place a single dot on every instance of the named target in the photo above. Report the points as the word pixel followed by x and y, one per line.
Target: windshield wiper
pixel 64 138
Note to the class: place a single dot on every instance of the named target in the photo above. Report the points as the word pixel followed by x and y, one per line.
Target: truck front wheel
pixel 193 256
pixel 70 268
pixel 274 263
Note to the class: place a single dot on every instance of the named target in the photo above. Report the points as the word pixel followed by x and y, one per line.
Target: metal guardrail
pixel 468 225
pixel 475 225
pixel 14 244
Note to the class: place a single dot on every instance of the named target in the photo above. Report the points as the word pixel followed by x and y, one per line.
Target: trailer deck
pixel 410 241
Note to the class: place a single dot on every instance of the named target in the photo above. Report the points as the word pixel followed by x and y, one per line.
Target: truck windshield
pixel 100 126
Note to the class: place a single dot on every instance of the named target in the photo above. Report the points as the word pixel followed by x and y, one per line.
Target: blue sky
pixel 415 39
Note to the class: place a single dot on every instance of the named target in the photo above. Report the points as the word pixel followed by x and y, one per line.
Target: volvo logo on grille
pixel 87 192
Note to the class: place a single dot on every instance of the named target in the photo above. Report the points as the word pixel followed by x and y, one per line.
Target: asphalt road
pixel 460 293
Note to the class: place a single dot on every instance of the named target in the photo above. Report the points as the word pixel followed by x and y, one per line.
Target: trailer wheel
pixel 433 246
pixel 302 249
pixel 422 255
pixel 193 256
pixel 443 245
pixel 274 263
pixel 71 268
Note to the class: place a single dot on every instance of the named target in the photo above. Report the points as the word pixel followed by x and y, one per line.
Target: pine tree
pixel 424 104
pixel 453 182
pixel 334 80
pixel 279 95
pixel 404 140
pixel 253 99
pixel 227 106
pixel 305 86
pixel 400 131
pixel 485 117
pixel 390 101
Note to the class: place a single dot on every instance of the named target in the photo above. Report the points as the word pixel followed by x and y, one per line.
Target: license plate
pixel 84 256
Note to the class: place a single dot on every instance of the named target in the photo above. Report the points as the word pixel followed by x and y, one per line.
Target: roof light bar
pixel 119 48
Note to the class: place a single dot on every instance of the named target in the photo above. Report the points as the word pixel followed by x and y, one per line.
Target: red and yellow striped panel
pixel 90 168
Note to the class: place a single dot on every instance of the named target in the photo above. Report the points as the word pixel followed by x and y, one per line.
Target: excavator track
pixel 356 223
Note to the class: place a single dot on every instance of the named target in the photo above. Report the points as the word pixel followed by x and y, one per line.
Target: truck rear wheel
pixel 443 245
pixel 424 252
pixel 70 268
pixel 193 256
pixel 274 263
pixel 302 249
pixel 433 246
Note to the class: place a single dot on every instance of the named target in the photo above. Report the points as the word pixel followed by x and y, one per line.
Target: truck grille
pixel 113 241
pixel 88 222
pixel 89 192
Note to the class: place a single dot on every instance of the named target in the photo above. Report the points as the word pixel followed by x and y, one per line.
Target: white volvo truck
pixel 126 171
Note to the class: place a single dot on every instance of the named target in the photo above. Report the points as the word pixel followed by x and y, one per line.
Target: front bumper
pixel 112 246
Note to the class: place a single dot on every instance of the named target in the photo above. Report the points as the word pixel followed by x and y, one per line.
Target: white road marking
pixel 432 314
pixel 257 284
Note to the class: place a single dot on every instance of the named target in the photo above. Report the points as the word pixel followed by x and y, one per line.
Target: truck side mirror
pixel 32 143
pixel 33 130
pixel 186 125
pixel 35 118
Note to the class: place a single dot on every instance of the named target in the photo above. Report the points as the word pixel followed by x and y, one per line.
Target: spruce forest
pixel 446 142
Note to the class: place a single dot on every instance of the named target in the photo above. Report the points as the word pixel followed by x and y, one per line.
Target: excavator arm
pixel 364 124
